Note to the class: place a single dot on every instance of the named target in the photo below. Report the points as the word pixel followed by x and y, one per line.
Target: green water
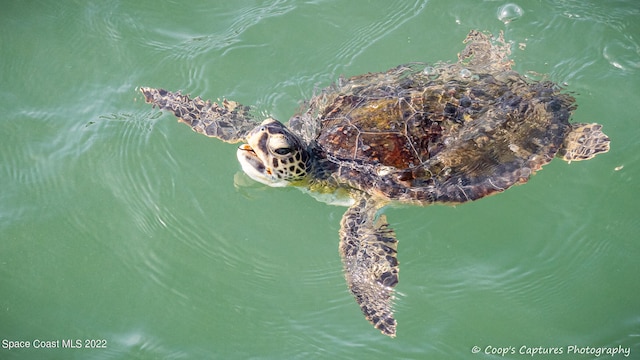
pixel 120 225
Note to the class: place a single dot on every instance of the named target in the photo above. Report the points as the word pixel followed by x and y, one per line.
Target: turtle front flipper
pixel 368 251
pixel 228 121
pixel 583 142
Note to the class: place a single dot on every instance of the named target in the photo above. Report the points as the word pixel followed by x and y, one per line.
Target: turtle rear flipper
pixel 368 251
pixel 583 142
pixel 228 121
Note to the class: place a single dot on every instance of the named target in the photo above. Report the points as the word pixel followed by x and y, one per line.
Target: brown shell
pixel 449 133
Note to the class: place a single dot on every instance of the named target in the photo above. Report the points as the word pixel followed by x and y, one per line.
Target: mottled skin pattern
pixel 228 121
pixel 368 247
pixel 417 134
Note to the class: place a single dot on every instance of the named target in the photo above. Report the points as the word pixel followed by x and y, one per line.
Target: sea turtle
pixel 416 134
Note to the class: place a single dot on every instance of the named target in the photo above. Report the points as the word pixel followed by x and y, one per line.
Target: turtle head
pixel 273 155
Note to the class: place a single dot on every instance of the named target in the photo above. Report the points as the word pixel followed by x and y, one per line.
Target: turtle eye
pixel 283 151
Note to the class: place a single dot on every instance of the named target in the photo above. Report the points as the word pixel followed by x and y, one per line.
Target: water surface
pixel 118 223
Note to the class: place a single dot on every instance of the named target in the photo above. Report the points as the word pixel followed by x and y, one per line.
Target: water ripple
pixel 37 171
pixel 192 45
pixel 363 37
pixel 620 47
pixel 141 344
pixel 135 185
pixel 623 54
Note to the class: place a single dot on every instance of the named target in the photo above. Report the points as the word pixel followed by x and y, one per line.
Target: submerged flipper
pixel 228 121
pixel 368 250
pixel 583 142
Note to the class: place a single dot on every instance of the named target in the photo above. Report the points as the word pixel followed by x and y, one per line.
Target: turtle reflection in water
pixel 417 134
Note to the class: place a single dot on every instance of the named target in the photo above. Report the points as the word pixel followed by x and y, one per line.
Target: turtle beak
pixel 246 147
pixel 247 156
pixel 252 165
